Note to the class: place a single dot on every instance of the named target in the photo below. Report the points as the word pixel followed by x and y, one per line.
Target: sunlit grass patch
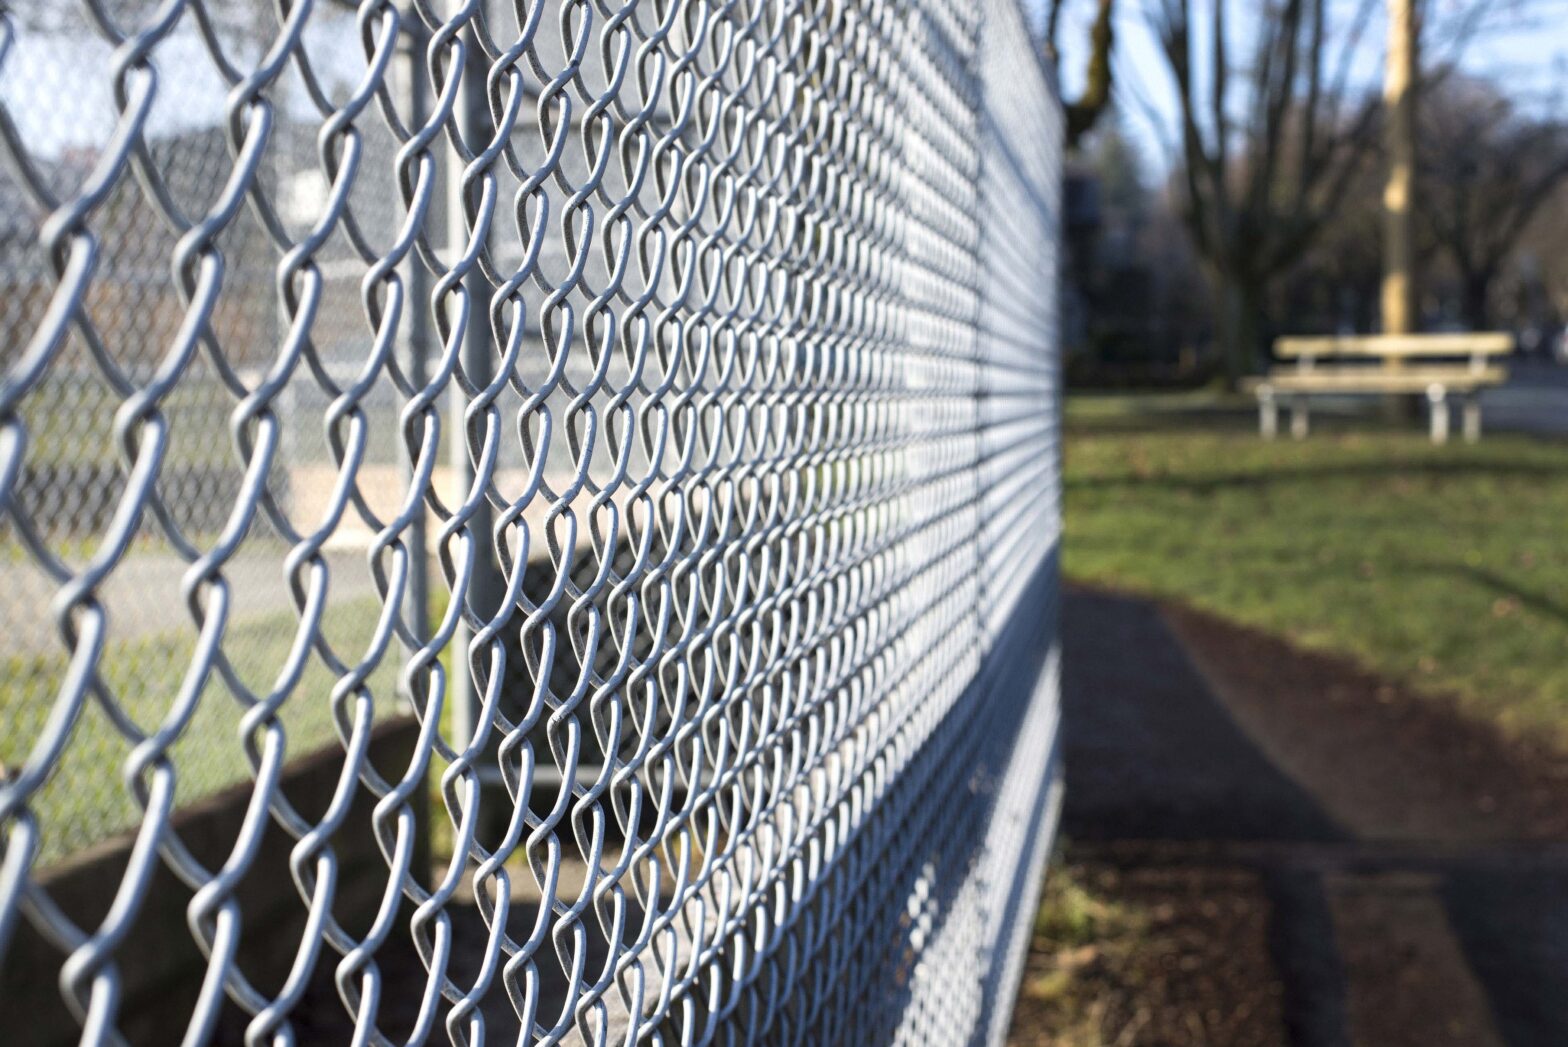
pixel 1443 568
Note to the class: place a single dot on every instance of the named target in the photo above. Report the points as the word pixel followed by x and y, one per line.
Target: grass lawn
pixel 1445 568
pixel 85 799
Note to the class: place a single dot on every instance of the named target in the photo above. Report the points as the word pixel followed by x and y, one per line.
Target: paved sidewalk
pixel 1535 399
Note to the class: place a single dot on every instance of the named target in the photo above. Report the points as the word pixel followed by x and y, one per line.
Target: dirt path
pixel 1413 865
pixel 1384 763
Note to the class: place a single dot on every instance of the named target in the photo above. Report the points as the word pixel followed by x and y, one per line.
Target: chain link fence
pixel 656 401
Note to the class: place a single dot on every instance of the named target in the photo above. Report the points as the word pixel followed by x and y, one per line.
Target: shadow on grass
pixel 1531 599
pixel 1273 476
pixel 1162 420
pixel 1089 415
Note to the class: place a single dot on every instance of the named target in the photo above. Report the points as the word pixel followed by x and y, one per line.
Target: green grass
pixel 70 422
pixel 1443 568
pixel 85 799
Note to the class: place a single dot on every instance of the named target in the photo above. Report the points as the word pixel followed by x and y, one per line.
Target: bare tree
pixel 1270 143
pixel 1486 169
pixel 1542 247
pixel 1083 113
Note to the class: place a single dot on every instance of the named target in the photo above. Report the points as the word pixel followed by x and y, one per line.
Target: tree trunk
pixel 1477 303
pixel 1240 327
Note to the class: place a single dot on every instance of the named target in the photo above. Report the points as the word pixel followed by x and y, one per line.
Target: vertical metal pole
pixel 415 337
pixel 478 360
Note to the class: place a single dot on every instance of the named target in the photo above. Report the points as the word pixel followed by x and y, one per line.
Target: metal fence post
pixel 488 586
pixel 415 351
pixel 415 343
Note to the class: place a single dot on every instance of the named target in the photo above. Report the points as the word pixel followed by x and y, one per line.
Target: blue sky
pixel 1525 49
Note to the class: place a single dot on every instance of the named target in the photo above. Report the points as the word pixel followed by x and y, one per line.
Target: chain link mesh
pixel 655 400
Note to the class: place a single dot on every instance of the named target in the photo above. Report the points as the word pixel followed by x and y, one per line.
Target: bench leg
pixel 1300 418
pixel 1437 400
pixel 1268 414
pixel 1472 421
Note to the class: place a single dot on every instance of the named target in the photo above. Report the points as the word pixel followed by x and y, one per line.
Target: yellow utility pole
pixel 1399 95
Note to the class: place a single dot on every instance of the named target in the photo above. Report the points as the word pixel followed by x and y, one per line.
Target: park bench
pixel 1438 365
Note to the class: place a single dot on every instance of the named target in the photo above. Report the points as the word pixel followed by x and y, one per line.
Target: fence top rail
pixel 1464 343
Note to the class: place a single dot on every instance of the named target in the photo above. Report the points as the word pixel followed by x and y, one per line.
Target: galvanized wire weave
pixel 656 400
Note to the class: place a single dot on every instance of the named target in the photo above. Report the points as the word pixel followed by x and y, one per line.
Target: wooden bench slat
pixel 1480 343
pixel 1377 380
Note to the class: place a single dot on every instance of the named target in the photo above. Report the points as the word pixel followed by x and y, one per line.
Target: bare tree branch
pixel 1267 154
pixel 1085 112
pixel 1487 169
pixel 1053 22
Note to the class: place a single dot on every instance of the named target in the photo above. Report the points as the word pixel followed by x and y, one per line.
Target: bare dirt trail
pixel 1413 864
